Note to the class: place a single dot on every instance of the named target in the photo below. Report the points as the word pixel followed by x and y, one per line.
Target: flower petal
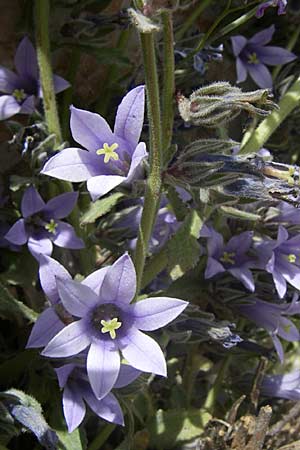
pixel 63 373
pixel 213 267
pixel 102 184
pixel 138 156
pixel 280 283
pixel 76 298
pixel 8 80
pixel 74 407
pixel 32 202
pixel 17 233
pixel 8 107
pixel 130 115
pixel 126 376
pixel 103 366
pixel 89 129
pixel 143 352
pixel 61 206
pixel 72 164
pixel 241 71
pixel 95 279
pixel 240 243
pixel 262 37
pixel 282 235
pixel 215 243
pixel 155 312
pixel 28 106
pixel 60 84
pixel 238 43
pixel 244 275
pixel 288 330
pixel 39 246
pixel 275 55
pixel 278 347
pixel 261 75
pixel 119 284
pixel 69 341
pixel 65 236
pixel 108 408
pixel 49 271
pixel 25 60
pixel 45 328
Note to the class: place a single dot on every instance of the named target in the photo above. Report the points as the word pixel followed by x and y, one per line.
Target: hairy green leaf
pixel 10 307
pixel 100 207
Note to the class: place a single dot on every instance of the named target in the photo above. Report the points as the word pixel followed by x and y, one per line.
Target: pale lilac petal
pixel 61 206
pixel 69 341
pixel 245 276
pixel 49 271
pixel 17 234
pixel 240 243
pixel 280 283
pixel 288 330
pixel 291 273
pixel 63 373
pixel 102 184
pixel 130 116
pixel 90 129
pixel 28 106
pixel 278 347
pixel 238 43
pixel 215 243
pixel 143 352
pixel 282 235
pixel 74 407
pixel 72 164
pixel 76 298
pixel 60 84
pixel 103 366
pixel 262 37
pixel 119 284
pixel 213 267
pixel 155 312
pixel 270 265
pixel 25 60
pixel 275 55
pixel 9 81
pixel 32 202
pixel 95 279
pixel 261 75
pixel 45 328
pixel 65 236
pixel 126 376
pixel 138 156
pixel 108 408
pixel 8 107
pixel 241 71
pixel 39 246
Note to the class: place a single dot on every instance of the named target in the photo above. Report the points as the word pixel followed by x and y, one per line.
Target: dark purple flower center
pixel 36 222
pixel 106 318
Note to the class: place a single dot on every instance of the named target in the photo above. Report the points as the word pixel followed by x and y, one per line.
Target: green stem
pixel 287 104
pixel 152 195
pixel 168 80
pixel 197 10
pixel 102 437
pixel 213 393
pixel 42 13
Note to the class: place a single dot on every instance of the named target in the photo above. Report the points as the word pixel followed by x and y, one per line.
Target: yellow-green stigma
pixel 228 258
pixel 51 226
pixel 109 152
pixel 292 258
pixel 110 326
pixel 253 59
pixel 19 94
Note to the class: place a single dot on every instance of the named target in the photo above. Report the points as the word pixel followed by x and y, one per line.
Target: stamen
pixel 228 258
pixel 292 258
pixel 253 59
pixel 110 326
pixel 109 152
pixel 51 226
pixel 19 94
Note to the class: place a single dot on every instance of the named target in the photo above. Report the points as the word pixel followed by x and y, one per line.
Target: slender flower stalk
pixel 152 195
pixel 287 104
pixel 42 12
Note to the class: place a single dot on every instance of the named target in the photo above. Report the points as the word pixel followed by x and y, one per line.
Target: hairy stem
pixel 152 195
pixel 287 104
pixel 42 13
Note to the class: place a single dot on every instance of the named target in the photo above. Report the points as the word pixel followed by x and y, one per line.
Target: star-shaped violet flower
pixel 281 258
pixel 252 56
pixel 231 257
pixel 105 310
pixel 110 157
pixel 280 4
pixel 282 386
pixel 76 391
pixel 41 226
pixel 20 91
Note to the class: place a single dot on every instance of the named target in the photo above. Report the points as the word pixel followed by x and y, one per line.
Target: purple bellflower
pixel 110 158
pixel 108 324
pixel 21 90
pixel 231 257
pixel 280 4
pixel 272 317
pixel 282 386
pixel 41 226
pixel 288 214
pixel 281 259
pixel 76 391
pixel 252 56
